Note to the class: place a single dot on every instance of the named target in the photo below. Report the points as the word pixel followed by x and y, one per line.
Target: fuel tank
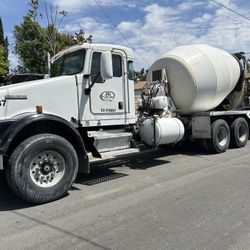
pixel 163 130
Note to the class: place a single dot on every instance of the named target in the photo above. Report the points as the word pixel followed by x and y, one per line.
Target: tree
pixel 30 46
pixel 4 63
pixel 1 32
pixel 33 41
pixel 140 75
pixel 54 18
pixel 6 46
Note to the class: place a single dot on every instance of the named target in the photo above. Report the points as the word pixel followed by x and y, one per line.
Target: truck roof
pixel 104 47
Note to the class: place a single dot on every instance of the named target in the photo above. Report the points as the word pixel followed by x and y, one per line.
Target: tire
pixel 220 137
pixel 42 168
pixel 239 133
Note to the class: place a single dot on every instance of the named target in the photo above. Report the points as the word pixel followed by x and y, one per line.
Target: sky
pixel 150 28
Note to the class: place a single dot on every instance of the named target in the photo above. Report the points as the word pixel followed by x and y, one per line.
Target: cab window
pixel 131 70
pixel 96 67
pixel 68 64
pixel 117 65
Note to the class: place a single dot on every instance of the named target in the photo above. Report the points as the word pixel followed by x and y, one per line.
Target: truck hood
pixel 53 94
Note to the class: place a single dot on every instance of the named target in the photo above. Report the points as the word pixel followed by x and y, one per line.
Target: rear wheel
pixel 220 137
pixel 239 133
pixel 42 168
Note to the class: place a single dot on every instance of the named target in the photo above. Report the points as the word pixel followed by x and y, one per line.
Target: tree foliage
pixel 30 46
pixel 1 32
pixel 140 75
pixel 54 18
pixel 4 63
pixel 34 42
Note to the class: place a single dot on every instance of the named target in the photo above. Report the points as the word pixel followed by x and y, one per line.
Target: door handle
pixel 120 105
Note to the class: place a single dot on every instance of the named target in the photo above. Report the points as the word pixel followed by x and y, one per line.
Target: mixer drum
pixel 200 76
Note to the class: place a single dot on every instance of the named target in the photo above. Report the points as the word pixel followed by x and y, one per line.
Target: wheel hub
pixel 222 137
pixel 242 133
pixel 47 169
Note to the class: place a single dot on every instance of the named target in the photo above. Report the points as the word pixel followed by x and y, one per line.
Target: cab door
pixel 107 96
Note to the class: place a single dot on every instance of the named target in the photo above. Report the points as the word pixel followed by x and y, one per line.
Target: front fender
pixel 24 126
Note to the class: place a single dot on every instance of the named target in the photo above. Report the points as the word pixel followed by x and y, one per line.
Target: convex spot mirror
pixel 106 65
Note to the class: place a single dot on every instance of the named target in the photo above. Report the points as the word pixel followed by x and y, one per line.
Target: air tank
pixel 200 77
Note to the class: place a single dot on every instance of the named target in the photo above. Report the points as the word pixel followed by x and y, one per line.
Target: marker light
pixel 39 109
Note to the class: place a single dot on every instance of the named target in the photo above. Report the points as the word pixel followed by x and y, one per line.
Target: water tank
pixel 200 76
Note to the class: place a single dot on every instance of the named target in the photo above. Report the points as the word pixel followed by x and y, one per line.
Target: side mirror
pixel 106 65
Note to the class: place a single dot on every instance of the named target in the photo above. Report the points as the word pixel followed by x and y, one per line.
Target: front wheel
pixel 42 168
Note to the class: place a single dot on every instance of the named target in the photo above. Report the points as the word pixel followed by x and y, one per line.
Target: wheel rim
pixel 47 169
pixel 242 133
pixel 222 137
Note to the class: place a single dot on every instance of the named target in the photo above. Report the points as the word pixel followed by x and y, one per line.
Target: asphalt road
pixel 171 199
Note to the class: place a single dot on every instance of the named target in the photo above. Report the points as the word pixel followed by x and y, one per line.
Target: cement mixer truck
pixel 85 110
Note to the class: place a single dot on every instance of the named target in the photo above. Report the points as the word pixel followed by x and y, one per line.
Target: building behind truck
pixel 50 127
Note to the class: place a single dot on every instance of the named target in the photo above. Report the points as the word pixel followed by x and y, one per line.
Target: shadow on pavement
pixel 8 200
pixel 107 170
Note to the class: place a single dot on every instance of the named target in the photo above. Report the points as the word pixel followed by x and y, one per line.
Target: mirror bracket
pixel 88 90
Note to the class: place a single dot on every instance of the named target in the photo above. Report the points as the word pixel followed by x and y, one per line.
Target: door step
pixel 114 154
pixel 110 140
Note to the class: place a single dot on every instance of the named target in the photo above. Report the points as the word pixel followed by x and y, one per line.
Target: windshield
pixel 68 64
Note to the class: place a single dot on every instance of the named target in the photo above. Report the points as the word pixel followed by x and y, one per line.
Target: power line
pixel 122 35
pixel 131 45
pixel 234 11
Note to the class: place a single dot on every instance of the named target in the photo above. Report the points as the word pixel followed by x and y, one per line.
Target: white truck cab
pixel 78 88
pixel 103 74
